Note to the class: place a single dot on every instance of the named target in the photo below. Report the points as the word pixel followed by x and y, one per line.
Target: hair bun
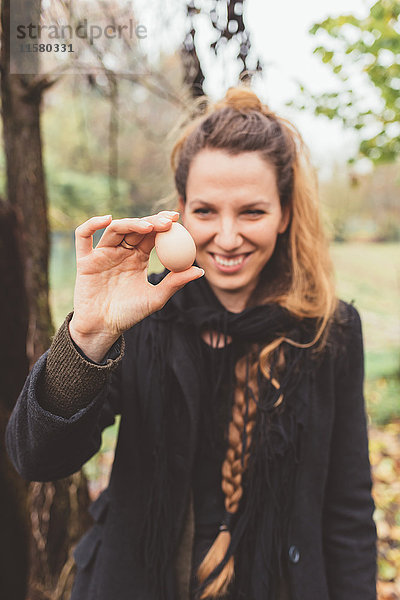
pixel 241 98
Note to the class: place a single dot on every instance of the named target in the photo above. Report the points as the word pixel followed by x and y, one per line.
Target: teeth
pixel 228 262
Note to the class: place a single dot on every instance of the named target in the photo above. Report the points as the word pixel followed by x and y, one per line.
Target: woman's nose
pixel 228 237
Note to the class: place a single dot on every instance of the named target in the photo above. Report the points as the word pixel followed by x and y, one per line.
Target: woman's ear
pixel 181 206
pixel 284 220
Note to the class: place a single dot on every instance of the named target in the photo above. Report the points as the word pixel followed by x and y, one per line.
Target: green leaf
pixel 378 11
pixel 327 57
pixel 314 29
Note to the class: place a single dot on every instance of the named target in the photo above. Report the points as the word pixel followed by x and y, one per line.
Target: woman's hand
pixel 112 292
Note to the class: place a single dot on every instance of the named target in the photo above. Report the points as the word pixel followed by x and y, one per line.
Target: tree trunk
pixel 21 101
pixel 14 522
pixel 58 511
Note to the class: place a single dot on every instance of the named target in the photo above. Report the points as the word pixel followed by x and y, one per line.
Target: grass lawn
pixel 369 275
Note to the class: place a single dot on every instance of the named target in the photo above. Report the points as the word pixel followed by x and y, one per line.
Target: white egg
pixel 175 248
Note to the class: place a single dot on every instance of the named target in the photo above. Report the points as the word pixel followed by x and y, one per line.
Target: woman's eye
pixel 254 211
pixel 202 211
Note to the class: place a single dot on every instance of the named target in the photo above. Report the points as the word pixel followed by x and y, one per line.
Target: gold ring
pixel 125 244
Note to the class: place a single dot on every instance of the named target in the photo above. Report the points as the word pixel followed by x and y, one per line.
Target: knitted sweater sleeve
pixel 349 531
pixel 65 404
pixel 71 380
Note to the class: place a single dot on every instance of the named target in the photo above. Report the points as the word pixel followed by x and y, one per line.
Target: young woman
pixel 241 468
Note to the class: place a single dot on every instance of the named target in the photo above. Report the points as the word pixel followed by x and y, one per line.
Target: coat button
pixel 294 554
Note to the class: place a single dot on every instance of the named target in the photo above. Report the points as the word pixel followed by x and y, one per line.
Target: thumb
pixel 174 282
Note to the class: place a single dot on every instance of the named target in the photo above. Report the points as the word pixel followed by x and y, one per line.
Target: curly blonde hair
pixel 298 277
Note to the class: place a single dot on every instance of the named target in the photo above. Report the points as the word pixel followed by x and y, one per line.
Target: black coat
pixel 331 550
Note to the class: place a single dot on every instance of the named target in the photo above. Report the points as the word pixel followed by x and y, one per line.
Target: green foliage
pixel 382 363
pixel 75 196
pixel 362 207
pixel 382 397
pixel 363 51
pixel 388 231
pixel 76 135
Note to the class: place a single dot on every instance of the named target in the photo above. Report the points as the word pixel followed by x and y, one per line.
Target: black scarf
pixel 259 530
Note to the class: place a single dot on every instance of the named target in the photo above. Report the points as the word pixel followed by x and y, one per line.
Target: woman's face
pixel 233 212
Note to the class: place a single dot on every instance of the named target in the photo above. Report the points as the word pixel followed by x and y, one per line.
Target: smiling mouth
pixel 229 263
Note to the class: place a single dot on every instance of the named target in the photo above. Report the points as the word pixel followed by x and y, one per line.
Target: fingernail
pixel 164 221
pixel 202 272
pixel 146 224
pixel 172 212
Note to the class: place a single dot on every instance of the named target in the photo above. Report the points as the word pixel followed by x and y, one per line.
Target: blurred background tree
pixel 363 52
pixel 227 19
